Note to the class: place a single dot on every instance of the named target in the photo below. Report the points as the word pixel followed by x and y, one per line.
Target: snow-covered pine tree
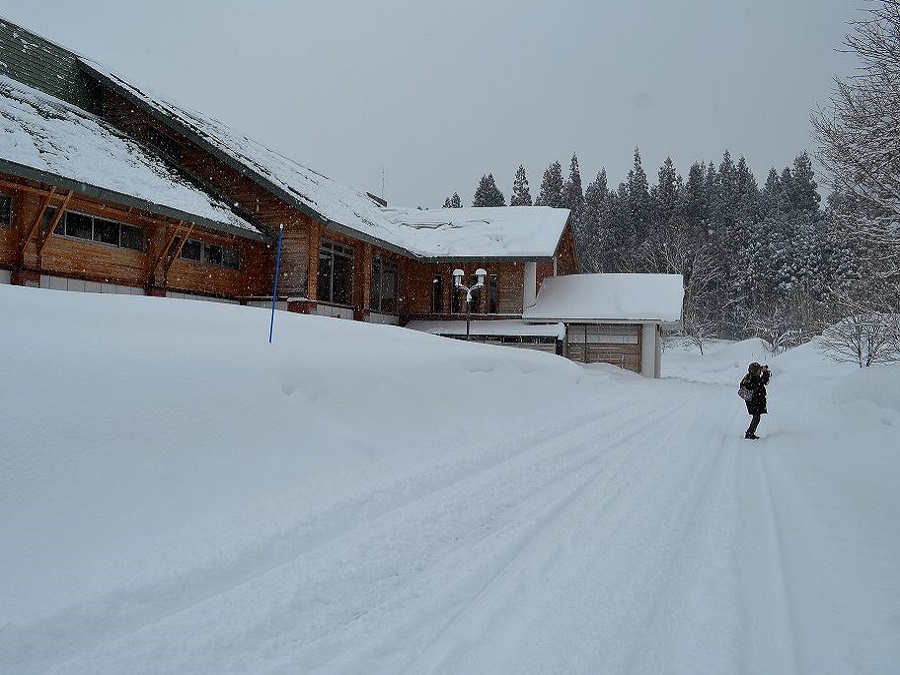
pixel 520 195
pixel 488 194
pixel 662 237
pixel 639 213
pixel 572 193
pixel 551 193
pixel 592 244
pixel 453 202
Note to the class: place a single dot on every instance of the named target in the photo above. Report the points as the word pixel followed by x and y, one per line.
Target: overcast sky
pixel 425 97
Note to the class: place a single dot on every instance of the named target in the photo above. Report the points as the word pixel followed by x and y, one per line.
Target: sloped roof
pixel 504 232
pixel 49 140
pixel 596 298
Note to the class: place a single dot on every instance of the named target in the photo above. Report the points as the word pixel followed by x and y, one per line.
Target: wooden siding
pixel 149 269
pixel 566 255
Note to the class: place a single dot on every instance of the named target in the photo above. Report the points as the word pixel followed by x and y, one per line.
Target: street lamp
pixel 458 275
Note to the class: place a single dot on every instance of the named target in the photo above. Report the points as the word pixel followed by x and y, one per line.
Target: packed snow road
pixel 639 535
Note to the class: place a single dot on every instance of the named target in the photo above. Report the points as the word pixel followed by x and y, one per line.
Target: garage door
pixel 617 344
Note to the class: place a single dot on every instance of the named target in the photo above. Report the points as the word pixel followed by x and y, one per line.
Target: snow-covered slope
pixel 177 495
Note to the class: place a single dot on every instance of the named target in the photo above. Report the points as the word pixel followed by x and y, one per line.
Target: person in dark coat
pixel 755 380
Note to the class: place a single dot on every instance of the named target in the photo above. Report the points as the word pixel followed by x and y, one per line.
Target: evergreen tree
pixel 520 196
pixel 572 195
pixel 639 213
pixel 453 202
pixel 552 187
pixel 804 193
pixel 664 239
pixel 592 246
pixel 487 193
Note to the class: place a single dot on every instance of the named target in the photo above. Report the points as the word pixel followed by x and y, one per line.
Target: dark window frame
pixel 5 210
pixel 437 294
pixel 84 227
pixel 476 295
pixel 337 264
pixel 493 294
pixel 385 290
pixel 205 253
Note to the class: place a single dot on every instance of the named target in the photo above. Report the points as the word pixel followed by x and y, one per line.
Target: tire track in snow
pixel 773 626
pixel 128 611
pixel 322 532
pixel 611 480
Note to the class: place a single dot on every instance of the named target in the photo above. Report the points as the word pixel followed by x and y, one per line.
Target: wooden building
pixel 106 187
pixel 195 209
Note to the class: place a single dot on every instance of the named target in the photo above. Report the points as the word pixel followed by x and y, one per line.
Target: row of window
pixel 122 235
pixel 92 228
pixel 335 284
pixel 458 297
pixel 210 254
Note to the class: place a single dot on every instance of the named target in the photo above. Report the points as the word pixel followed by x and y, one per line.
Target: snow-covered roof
pixel 508 232
pixel 494 328
pixel 47 139
pixel 595 298
pixel 480 232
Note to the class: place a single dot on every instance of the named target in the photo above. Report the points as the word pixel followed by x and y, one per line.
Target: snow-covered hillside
pixel 177 495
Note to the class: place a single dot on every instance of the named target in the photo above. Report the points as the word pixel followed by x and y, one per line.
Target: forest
pixel 771 260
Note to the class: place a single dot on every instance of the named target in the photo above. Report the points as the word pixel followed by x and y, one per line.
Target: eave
pixel 105 194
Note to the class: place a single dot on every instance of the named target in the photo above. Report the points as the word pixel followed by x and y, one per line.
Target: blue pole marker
pixel 275 289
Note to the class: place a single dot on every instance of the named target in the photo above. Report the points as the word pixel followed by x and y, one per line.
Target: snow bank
pixel 148 434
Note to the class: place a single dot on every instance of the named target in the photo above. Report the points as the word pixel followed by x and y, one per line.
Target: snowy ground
pixel 179 496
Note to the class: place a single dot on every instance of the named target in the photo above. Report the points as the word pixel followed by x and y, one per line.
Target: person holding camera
pixel 755 380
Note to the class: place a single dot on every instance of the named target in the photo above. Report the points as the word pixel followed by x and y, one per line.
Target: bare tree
pixel 860 131
pixel 865 336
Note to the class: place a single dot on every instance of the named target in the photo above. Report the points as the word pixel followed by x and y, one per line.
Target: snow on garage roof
pixel 507 232
pixel 47 139
pixel 594 298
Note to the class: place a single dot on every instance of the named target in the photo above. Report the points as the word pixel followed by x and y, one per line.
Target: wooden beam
pixel 35 225
pixel 52 229
pixel 154 266
pixel 177 251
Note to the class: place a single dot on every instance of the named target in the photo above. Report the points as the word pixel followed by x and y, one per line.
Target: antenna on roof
pixel 382 181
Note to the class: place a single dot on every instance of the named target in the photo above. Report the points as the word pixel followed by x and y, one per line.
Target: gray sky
pixel 432 95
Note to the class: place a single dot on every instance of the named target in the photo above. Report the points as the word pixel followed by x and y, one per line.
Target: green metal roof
pixel 32 60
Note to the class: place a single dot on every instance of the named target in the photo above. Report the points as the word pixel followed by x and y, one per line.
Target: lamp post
pixel 458 275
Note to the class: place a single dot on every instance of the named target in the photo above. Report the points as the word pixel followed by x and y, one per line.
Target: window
pixel 476 295
pixel 494 294
pixel 384 285
pixel 100 230
pixel 5 211
pixel 210 254
pixel 437 294
pixel 335 278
